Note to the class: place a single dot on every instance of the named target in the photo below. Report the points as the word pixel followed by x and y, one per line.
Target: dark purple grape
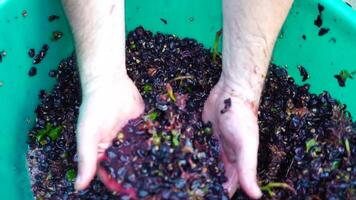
pixel 31 53
pixel 32 72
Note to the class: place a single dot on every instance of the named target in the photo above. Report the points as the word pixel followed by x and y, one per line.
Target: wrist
pixel 239 93
pixel 101 67
pixel 245 67
pixel 100 47
pixel 105 79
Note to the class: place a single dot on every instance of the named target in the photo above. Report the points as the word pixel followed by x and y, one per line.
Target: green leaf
pixel 345 74
pixel 147 88
pixel 49 176
pixel 175 138
pixel 309 144
pixel 152 116
pixel 41 134
pixel 189 89
pixel 160 173
pixel 273 110
pixel 175 132
pixel 208 130
pixel 70 175
pixel 156 139
pixel 48 130
pixel 64 155
pixel 170 92
pixel 55 133
pixel 167 137
pixel 43 142
pixel 335 165
pixel 132 46
pixel 315 151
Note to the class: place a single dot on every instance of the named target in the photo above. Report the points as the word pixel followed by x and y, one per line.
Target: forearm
pixel 99 32
pixel 250 28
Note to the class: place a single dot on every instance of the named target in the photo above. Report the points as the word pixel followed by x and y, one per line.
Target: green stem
pixel 268 188
pixel 216 44
pixel 347 146
pixel 182 78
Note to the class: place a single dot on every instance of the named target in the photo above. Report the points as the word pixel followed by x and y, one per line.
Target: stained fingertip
pixel 249 185
pixel 77 183
pixel 231 186
pixel 255 191
pixel 86 174
pixel 103 146
pixel 87 152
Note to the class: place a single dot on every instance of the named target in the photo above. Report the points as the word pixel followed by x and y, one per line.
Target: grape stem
pixel 216 44
pixel 182 78
pixel 347 146
pixel 268 188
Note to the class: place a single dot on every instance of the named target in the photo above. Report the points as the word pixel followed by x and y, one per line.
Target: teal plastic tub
pixel 25 25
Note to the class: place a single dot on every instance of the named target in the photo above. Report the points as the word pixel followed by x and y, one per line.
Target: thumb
pixel 87 152
pixel 247 168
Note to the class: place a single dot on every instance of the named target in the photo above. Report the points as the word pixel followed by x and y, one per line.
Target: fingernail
pixel 77 183
pixel 257 192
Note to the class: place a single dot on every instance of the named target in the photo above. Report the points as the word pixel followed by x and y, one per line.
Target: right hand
pixel 107 106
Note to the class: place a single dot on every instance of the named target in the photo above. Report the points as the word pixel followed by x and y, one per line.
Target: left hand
pixel 237 131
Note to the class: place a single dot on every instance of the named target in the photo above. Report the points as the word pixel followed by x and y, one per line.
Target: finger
pixel 110 183
pixel 103 146
pixel 207 113
pixel 87 152
pixel 242 139
pixel 230 167
pixel 247 167
pixel 113 185
pixel 101 150
pixel 231 173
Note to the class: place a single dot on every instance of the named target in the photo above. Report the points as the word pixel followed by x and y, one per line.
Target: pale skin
pixel 250 28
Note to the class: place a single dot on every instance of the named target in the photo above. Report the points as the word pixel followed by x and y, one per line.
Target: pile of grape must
pixel 306 140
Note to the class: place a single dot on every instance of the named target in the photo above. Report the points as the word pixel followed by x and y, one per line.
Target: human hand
pixel 234 121
pixel 106 107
